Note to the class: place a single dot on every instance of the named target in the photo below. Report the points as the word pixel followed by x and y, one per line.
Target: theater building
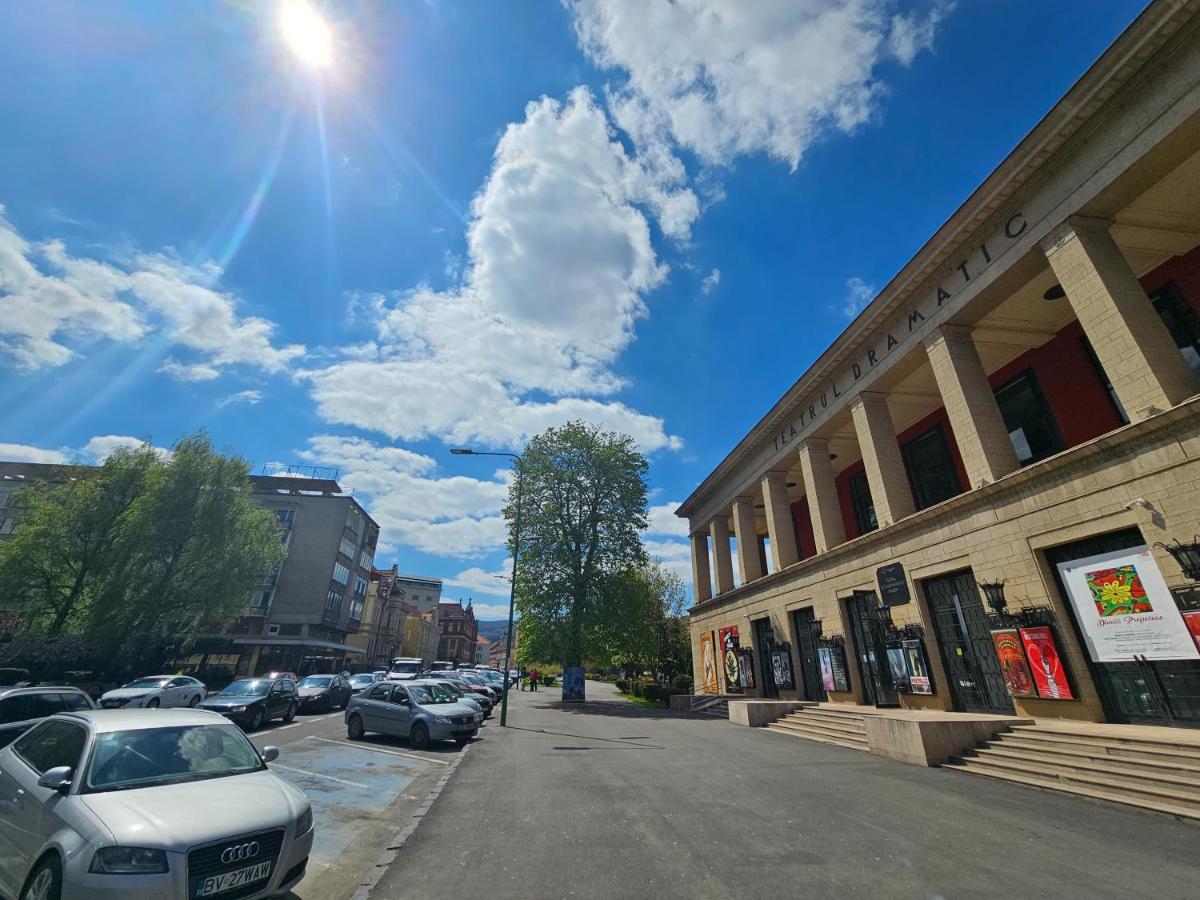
pixel 984 497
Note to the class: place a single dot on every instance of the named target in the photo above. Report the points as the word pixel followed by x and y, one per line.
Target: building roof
pixel 1116 66
pixel 420 579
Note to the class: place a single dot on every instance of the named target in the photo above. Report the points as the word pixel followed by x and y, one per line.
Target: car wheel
pixel 256 722
pixel 153 704
pixel 45 883
pixel 194 702
pixel 354 728
pixel 420 736
pixel 290 714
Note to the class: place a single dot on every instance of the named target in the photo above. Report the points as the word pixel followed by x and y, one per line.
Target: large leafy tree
pixel 583 509
pixel 140 553
pixel 645 634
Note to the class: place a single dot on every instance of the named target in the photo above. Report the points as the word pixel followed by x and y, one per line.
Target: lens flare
pixel 306 33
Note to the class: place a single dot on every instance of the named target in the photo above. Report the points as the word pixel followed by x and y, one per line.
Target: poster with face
pixel 825 656
pixel 1010 652
pixel 781 667
pixel 708 664
pixel 746 668
pixel 1045 664
pixel 918 670
pixel 1124 608
pixel 730 660
pixel 898 668
pixel 573 684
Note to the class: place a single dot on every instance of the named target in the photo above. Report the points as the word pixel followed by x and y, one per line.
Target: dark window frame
pixel 1113 400
pixel 1029 378
pixel 918 486
pixel 862 503
pixel 1177 314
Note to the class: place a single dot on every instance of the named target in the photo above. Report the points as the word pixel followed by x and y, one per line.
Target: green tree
pixel 141 552
pixel 645 634
pixel 583 512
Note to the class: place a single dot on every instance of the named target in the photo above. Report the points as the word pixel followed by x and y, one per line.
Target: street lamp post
pixel 512 591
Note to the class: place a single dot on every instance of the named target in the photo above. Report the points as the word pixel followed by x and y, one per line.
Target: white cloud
pixel 26 453
pixel 49 297
pixel 675 556
pixel 858 295
pixel 710 281
pixel 250 398
pixel 559 260
pixel 663 521
pixel 724 79
pixel 455 516
pixel 480 581
pixel 103 446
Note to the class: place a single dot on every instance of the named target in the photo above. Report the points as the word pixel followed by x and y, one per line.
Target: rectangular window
pixel 1180 319
pixel 864 508
pixel 356 608
pixel 1030 423
pixel 6 524
pixel 340 573
pixel 333 602
pixel 347 548
pixel 367 559
pixel 286 517
pixel 930 467
pixel 360 586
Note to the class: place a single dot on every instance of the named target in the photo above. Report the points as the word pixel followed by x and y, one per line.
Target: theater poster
pixel 825 655
pixel 1124 608
pixel 1191 618
pixel 727 641
pixel 917 665
pixel 1011 654
pixel 708 664
pixel 1045 663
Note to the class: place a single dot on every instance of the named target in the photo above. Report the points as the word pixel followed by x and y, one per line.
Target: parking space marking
pixel 440 762
pixel 278 765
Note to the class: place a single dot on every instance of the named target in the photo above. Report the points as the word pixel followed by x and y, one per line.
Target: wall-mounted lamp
pixel 993 592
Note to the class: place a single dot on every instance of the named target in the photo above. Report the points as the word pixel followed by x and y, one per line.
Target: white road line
pixel 332 716
pixel 440 762
pixel 286 727
pixel 276 765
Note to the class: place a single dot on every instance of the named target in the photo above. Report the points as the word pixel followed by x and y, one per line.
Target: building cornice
pixel 1116 67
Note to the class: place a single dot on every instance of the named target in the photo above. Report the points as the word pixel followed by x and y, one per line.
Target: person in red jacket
pixel 533 675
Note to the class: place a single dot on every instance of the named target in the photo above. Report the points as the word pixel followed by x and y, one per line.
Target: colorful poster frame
pixel 1010 652
pixel 711 683
pixel 728 646
pixel 1045 662
pixel 917 665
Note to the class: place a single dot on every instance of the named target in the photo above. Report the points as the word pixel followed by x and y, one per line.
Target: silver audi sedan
pixel 164 804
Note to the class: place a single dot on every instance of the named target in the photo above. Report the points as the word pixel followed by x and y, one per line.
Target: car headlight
pixel 237 709
pixel 128 861
pixel 304 824
pixel 441 720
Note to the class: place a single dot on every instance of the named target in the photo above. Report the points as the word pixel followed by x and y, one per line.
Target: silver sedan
pixel 110 804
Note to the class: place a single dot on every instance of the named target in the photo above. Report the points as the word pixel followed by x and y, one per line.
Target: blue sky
pixel 480 220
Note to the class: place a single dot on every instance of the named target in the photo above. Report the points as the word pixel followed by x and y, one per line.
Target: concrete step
pixel 837 725
pixel 1122 748
pixel 1098 756
pixel 825 737
pixel 1131 779
pixel 1144 801
pixel 832 713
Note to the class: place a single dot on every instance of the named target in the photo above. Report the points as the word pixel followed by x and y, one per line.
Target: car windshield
pixel 251 687
pixel 406 668
pixel 443 694
pixel 421 694
pixel 150 682
pixel 470 679
pixel 357 679
pixel 148 757
pixel 317 681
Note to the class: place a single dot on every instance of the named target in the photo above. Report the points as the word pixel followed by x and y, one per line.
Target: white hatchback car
pixel 107 804
pixel 155 690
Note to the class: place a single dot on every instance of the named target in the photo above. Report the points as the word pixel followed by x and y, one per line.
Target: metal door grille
pixel 964 637
pixel 808 639
pixel 870 626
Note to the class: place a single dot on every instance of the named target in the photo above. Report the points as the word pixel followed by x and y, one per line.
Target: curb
pixel 396 844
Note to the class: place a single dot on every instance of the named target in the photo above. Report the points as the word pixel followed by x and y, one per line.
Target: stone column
pixel 983 441
pixel 722 561
pixel 881 457
pixel 747 540
pixel 1132 343
pixel 701 577
pixel 829 529
pixel 781 527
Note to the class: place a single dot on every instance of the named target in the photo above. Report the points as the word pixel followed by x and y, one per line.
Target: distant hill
pixel 493 630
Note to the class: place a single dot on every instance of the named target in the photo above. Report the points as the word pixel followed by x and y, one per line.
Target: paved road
pixel 362 793
pixel 610 800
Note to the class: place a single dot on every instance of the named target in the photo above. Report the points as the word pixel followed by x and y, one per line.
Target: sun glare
pixel 306 33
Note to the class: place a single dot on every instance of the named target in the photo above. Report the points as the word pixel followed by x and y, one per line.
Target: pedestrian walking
pixel 533 675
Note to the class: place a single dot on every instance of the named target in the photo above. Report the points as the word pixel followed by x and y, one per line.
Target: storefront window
pixel 930 466
pixel 1030 423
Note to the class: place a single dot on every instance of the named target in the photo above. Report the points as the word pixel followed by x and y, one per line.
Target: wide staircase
pixel 820 723
pixel 717 707
pixel 1161 774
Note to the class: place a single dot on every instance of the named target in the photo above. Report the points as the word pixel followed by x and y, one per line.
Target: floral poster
pixel 1011 654
pixel 1124 608
pixel 1045 663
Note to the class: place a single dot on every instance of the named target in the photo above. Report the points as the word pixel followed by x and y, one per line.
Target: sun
pixel 307 33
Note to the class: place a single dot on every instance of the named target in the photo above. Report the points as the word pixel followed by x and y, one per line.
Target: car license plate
pixel 227 881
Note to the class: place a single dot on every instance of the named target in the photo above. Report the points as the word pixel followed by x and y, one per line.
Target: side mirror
pixel 57 779
pixel 270 754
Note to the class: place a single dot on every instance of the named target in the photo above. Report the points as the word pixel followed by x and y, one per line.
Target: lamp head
pixel 462 451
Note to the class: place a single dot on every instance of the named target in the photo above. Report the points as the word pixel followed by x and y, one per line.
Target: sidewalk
pixel 609 799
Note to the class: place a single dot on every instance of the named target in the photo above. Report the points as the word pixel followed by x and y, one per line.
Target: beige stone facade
pixel 1023 393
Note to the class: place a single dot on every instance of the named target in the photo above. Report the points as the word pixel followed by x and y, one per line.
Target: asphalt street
pixel 612 800
pixel 362 793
